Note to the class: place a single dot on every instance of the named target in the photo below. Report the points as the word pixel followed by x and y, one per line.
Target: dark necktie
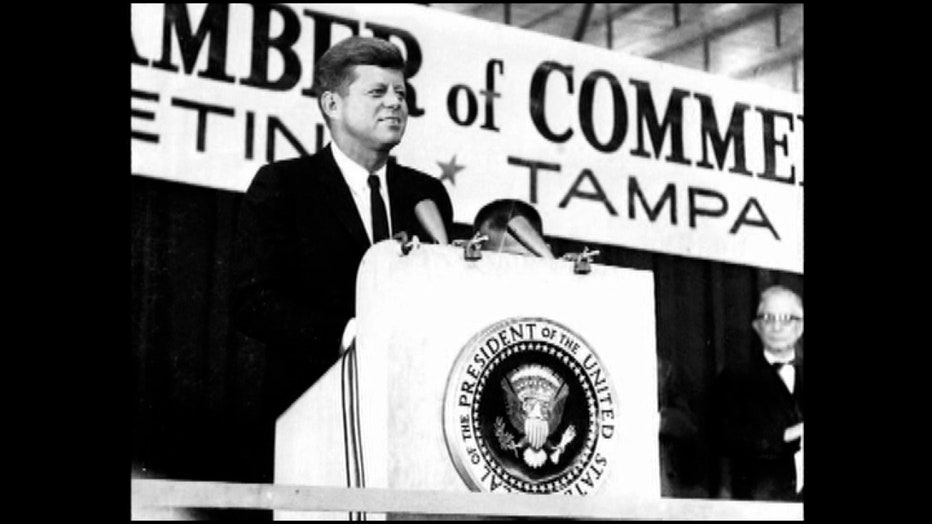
pixel 379 216
pixel 779 365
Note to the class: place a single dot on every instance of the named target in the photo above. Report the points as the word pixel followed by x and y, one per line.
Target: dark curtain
pixel 197 381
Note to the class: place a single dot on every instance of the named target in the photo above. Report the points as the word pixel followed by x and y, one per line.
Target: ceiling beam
pixel 477 9
pixel 583 22
pixel 789 52
pixel 546 16
pixel 600 29
pixel 609 21
pixel 719 21
pixel 619 12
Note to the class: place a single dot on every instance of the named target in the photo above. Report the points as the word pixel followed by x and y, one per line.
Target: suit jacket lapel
pixel 798 390
pixel 775 383
pixel 337 195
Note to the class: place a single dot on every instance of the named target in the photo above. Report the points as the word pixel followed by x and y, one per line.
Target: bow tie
pixel 779 365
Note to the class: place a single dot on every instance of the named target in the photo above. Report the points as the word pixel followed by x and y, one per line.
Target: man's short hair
pixel 334 70
pixel 776 290
pixel 500 212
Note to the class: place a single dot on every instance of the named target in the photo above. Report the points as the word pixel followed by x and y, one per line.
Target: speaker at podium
pixel 505 374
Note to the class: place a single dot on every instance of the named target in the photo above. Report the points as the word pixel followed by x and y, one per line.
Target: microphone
pixel 428 214
pixel 524 232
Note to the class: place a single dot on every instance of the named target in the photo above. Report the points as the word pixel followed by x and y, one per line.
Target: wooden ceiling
pixel 756 42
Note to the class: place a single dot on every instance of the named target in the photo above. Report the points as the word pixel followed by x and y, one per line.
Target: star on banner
pixel 450 169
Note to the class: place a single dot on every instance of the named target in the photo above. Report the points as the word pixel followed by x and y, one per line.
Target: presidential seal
pixel 529 407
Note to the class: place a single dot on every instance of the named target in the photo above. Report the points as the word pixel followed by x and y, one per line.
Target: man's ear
pixel 330 103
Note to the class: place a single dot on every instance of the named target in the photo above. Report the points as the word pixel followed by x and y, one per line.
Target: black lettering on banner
pixel 413 59
pixel 250 133
pixel 771 143
pixel 719 145
pixel 695 211
pixel 323 25
pixel 262 44
pixel 599 195
pixel 471 105
pixel 319 143
pixel 276 125
pixel 538 93
pixel 145 115
pixel 135 58
pixel 620 105
pixel 800 117
pixel 214 23
pixel 669 194
pixel 202 111
pixel 763 222
pixel 533 165
pixel 672 119
pixel 489 92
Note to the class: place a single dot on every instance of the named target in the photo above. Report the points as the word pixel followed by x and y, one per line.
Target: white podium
pixel 504 374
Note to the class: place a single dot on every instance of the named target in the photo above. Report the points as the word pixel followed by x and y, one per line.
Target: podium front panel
pixel 417 315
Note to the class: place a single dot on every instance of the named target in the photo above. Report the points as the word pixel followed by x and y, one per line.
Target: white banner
pixel 609 148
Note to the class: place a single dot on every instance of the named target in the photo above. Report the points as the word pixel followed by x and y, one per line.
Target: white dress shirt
pixel 357 178
pixel 787 372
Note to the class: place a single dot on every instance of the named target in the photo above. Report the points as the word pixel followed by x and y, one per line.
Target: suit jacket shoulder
pixel 409 186
pixel 287 172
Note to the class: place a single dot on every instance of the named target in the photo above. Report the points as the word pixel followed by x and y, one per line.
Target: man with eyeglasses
pixel 760 406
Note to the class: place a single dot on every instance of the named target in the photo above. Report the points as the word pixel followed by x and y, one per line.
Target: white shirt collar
pixel 787 373
pixel 772 359
pixel 356 176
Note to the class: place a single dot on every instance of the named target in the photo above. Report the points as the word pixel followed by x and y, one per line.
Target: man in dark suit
pixel 306 223
pixel 760 406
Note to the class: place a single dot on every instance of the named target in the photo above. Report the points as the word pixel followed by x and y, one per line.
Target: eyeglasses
pixel 783 320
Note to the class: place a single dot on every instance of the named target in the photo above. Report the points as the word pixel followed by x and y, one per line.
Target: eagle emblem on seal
pixel 535 396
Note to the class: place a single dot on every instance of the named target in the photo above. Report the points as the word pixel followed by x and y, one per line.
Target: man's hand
pixel 793 432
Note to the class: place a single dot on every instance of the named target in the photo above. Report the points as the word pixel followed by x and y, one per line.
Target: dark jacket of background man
pixel 755 410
